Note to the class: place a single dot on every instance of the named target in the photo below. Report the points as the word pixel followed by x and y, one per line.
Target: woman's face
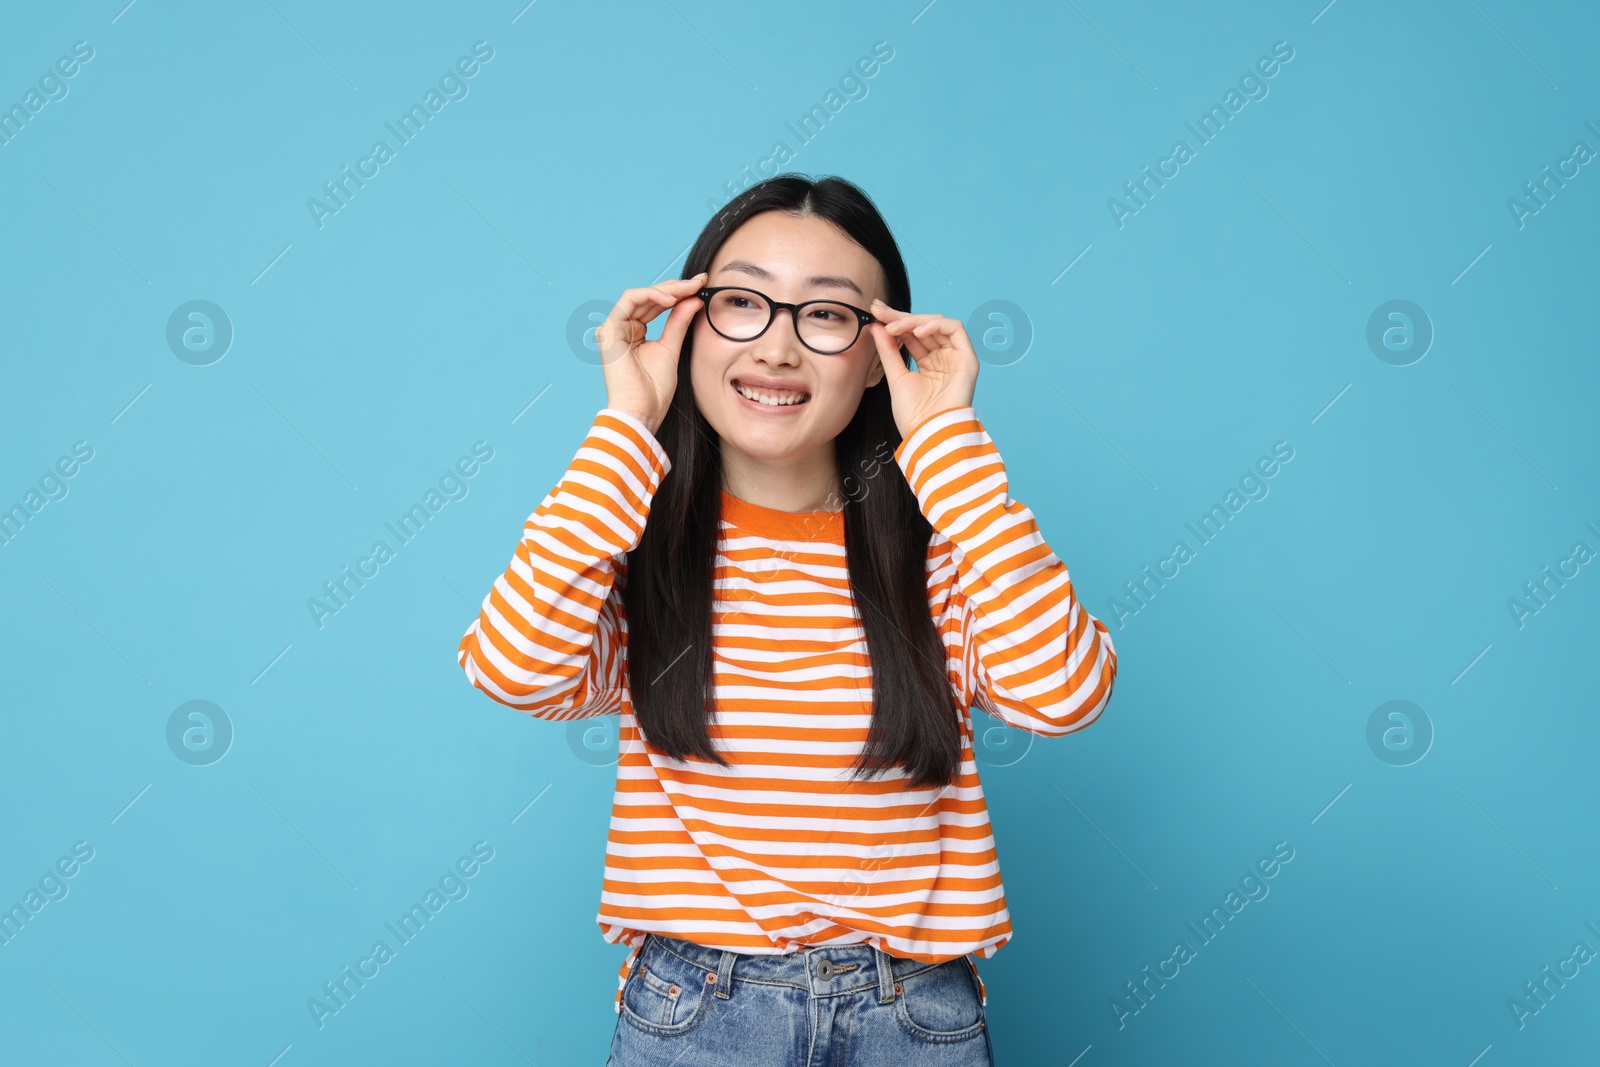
pixel 789 258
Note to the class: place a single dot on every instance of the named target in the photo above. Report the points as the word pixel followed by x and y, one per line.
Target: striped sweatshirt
pixel 782 849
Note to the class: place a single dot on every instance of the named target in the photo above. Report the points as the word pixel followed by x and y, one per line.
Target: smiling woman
pixel 799 851
pixel 774 402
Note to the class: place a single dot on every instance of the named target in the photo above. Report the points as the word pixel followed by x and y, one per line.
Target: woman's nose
pixel 780 344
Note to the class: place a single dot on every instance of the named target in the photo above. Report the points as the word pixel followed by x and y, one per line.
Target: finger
pixel 919 349
pixel 629 321
pixel 646 310
pixel 938 332
pixel 677 285
pixel 894 364
pixel 645 303
pixel 617 329
pixel 943 335
pixel 682 286
pixel 689 285
pixel 908 321
pixel 651 302
pixel 917 315
pixel 959 341
pixel 631 315
pixel 678 322
pixel 884 312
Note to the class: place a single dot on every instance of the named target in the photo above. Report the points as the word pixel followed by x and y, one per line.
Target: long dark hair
pixel 668 582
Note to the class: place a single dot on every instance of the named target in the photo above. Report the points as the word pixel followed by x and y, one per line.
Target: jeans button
pixel 825 968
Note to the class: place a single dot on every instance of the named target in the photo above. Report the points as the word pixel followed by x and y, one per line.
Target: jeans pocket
pixel 941 1004
pixel 665 994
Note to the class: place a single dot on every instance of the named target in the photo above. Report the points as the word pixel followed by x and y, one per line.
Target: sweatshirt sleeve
pixel 1030 654
pixel 548 641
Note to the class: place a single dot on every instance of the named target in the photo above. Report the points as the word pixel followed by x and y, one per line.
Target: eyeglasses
pixel 825 326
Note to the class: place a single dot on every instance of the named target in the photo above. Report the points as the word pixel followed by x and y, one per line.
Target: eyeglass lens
pixel 741 314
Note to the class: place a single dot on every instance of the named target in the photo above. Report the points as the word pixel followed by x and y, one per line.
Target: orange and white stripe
pixel 782 849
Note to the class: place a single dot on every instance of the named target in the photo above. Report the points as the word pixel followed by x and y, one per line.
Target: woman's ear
pixel 875 372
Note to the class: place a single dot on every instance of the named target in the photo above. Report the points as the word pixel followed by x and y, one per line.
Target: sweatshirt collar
pixel 824 526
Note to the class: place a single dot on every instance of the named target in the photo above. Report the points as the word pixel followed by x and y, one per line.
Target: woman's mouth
pixel 771 399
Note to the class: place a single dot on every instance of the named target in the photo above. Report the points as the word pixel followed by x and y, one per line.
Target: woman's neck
pixel 810 483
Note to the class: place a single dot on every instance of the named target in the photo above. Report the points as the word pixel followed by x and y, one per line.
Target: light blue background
pixel 1230 313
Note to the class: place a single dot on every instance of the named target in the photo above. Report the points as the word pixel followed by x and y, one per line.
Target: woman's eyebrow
pixel 838 281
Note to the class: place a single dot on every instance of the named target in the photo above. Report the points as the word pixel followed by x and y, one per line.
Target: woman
pixel 789 562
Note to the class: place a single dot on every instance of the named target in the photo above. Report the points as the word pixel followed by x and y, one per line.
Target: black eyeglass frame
pixel 774 306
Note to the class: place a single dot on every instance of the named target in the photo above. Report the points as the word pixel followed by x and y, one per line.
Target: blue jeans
pixel 685 1005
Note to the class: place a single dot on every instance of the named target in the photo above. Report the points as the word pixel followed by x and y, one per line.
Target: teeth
pixel 769 399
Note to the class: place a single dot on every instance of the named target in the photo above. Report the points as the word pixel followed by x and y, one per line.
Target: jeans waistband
pixel 824 970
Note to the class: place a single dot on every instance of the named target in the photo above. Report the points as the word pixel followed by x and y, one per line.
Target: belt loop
pixel 725 975
pixel 885 976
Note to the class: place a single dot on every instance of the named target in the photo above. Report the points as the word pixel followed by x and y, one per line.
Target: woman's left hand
pixel 947 367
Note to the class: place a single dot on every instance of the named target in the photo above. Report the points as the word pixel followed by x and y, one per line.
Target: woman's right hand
pixel 641 375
